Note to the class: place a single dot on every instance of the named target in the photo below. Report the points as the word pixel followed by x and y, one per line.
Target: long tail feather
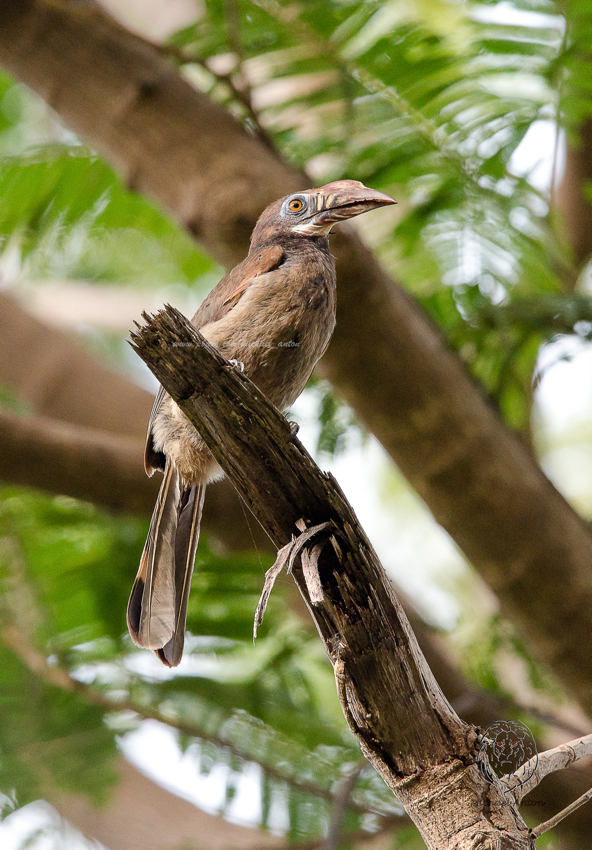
pixel 186 541
pixel 157 607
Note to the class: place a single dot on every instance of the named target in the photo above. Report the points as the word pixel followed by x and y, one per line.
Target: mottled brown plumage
pixel 274 314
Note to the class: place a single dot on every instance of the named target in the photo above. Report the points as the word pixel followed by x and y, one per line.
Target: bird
pixel 273 316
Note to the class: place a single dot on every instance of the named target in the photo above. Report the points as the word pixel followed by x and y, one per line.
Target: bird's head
pixel 313 212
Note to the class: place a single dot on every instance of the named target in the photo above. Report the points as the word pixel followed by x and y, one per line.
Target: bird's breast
pixel 280 327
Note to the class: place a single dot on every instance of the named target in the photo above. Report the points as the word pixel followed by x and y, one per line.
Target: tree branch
pixel 386 359
pixel 97 466
pixel 552 822
pixel 340 807
pixel 571 197
pixel 551 760
pixel 405 726
pixel 288 494
pixel 57 377
pixel 108 470
pixel 142 815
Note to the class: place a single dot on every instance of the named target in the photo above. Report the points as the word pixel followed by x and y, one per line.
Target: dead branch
pixel 404 724
pixel 282 486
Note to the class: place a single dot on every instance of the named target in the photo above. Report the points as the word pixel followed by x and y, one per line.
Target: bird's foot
pixel 238 364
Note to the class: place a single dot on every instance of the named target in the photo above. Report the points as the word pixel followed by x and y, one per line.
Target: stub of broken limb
pixel 286 557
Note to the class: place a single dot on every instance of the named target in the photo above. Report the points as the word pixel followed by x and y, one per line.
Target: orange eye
pixel 295 205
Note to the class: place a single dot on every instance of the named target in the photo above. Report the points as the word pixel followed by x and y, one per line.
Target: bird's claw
pixel 238 364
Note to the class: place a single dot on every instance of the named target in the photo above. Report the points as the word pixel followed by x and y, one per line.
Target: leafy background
pixel 429 101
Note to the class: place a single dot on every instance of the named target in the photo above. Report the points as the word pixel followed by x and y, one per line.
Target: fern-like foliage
pixel 428 103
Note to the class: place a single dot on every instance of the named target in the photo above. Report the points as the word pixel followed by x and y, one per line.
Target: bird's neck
pixel 294 243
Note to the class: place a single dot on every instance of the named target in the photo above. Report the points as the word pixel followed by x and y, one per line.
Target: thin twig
pixel 232 14
pixel 549 824
pixel 340 807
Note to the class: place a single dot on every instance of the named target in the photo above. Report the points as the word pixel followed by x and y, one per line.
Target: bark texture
pixel 389 696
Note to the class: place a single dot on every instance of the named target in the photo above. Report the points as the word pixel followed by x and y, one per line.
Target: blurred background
pixel 475 117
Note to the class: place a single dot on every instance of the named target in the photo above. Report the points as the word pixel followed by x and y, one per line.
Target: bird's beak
pixel 347 203
pixel 345 199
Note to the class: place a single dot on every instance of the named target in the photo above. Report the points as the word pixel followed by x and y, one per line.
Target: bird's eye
pixel 295 205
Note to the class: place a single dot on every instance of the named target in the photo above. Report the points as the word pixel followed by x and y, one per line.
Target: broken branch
pixel 405 726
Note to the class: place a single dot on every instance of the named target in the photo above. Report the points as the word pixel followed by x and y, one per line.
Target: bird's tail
pixel 157 607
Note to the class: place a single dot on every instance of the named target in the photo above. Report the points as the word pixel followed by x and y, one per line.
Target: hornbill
pixel 273 314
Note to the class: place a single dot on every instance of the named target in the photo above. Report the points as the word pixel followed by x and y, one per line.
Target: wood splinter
pixel 287 555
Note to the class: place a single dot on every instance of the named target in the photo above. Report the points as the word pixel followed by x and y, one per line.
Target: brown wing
pixel 152 459
pixel 223 297
pixel 226 294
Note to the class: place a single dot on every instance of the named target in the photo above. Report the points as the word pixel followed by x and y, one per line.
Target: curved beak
pixel 344 199
pixel 338 202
